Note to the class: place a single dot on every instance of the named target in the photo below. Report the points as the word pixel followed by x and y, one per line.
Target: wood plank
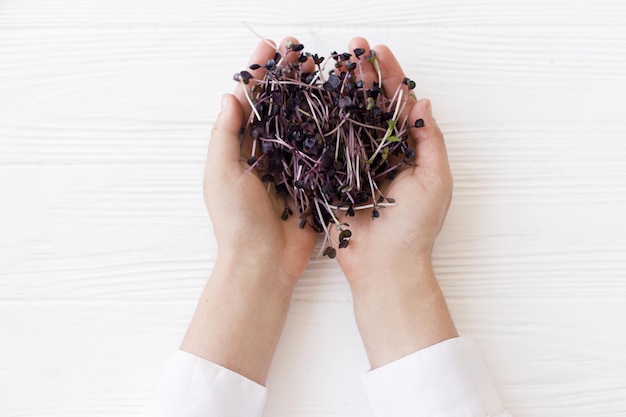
pixel 394 14
pixel 105 112
pixel 84 359
pixel 72 235
pixel 104 358
pixel 150 96
pixel 86 229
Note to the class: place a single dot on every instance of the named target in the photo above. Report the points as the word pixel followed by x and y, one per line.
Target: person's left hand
pixel 245 212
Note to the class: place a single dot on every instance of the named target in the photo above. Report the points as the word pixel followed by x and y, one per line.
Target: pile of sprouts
pixel 324 138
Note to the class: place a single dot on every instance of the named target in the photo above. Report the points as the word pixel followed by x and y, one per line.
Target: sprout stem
pixel 260 37
pixel 363 207
pixel 327 142
pixel 247 94
pixel 323 223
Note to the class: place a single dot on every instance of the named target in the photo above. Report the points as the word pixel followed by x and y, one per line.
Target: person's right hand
pixel 399 307
pixel 403 236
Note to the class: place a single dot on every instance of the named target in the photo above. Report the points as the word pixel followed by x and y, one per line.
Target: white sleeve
pixel 448 379
pixel 194 387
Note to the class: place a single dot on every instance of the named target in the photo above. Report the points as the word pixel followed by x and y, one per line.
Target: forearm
pixel 239 318
pixel 400 311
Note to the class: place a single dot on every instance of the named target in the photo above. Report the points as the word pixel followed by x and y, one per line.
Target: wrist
pixel 399 311
pixel 239 318
pixel 263 272
pixel 406 269
pixel 400 285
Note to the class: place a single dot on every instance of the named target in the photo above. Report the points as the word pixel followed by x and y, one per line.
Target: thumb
pixel 428 139
pixel 225 146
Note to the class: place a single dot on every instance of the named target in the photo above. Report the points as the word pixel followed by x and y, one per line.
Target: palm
pixel 264 228
pixel 406 229
pixel 247 215
pixel 422 192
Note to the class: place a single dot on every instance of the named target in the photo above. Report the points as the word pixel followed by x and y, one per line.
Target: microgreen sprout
pixel 324 138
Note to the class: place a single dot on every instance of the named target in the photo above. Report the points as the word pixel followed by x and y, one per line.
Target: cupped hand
pixel 404 234
pixel 245 212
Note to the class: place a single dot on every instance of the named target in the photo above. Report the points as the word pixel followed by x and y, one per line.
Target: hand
pixel 246 214
pixel 403 236
pixel 399 307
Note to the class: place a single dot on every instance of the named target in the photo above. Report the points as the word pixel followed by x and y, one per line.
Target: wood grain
pixel 394 14
pixel 105 115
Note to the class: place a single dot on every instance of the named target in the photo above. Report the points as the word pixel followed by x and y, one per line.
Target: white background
pixel 105 113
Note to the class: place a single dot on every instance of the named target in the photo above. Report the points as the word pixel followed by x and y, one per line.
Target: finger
pixel 393 80
pixel 291 53
pixel 308 65
pixel 366 71
pixel 286 49
pixel 285 55
pixel 264 51
pixel 428 139
pixel 390 70
pixel 224 152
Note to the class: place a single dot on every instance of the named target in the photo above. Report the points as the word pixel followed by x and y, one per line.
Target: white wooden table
pixel 105 113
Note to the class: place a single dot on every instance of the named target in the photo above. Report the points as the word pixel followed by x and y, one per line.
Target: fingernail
pixel 223 102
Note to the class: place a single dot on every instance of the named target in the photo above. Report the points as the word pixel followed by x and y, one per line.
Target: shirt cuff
pixel 195 387
pixel 445 380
